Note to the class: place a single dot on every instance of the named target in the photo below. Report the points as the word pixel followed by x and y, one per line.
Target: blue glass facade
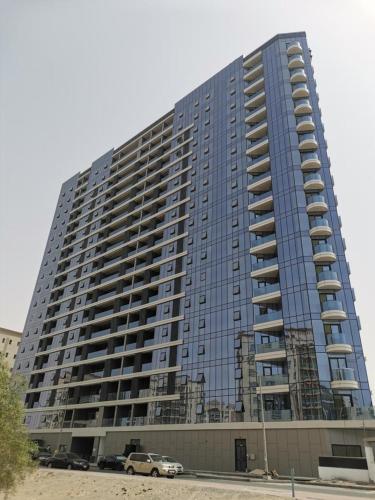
pixel 199 269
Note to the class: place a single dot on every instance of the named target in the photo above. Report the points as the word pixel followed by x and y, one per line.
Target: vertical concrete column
pixel 369 454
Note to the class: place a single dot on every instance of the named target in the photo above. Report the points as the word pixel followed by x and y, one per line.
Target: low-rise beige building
pixel 9 342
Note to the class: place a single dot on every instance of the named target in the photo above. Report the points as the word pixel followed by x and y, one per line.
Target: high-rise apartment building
pixel 198 271
pixel 9 342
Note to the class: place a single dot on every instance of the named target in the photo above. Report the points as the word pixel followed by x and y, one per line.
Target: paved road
pixel 303 491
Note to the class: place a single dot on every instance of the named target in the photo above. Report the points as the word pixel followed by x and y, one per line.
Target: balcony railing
pixel 343 374
pixel 265 263
pixel 336 338
pixel 271 316
pixel 277 379
pixel 263 239
pixel 275 415
pixel 332 305
pixel 275 287
pixel 255 218
pixel 278 345
pixel 315 198
pixel 323 247
pixel 319 223
pixel 328 276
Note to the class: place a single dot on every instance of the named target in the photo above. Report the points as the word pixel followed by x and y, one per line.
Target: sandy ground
pixel 62 485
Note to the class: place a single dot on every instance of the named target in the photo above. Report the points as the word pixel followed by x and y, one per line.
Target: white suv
pixel 149 463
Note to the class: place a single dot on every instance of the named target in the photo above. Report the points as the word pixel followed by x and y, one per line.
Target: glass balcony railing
pixel 305 137
pixel 304 118
pixel 255 218
pixel 299 86
pixel 332 305
pixel 315 198
pixel 352 413
pixel 262 239
pixel 276 415
pixel 296 60
pixel 271 316
pixel 323 247
pixel 258 124
pixel 124 395
pixel 309 156
pixel 90 398
pixel 265 263
pixel 298 72
pixel 251 96
pixel 277 379
pixel 312 177
pixel 278 345
pixel 259 197
pixel 259 158
pixel 327 276
pixel 343 374
pixel 257 80
pixel 319 222
pixel 275 287
pixel 301 102
pixel 336 338
pixel 95 354
pixel 256 178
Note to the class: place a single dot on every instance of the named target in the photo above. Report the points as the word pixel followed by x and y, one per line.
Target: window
pixel 238 373
pixel 200 377
pixel 202 323
pixel 202 299
pixel 163 356
pixel 164 332
pixel 201 349
pixel 158 411
pixel 236 265
pixel 236 289
pixel 199 409
pixel 236 315
pixel 185 352
pixel 235 243
pixel 239 407
pixel 346 450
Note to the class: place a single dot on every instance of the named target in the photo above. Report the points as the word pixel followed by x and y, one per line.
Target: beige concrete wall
pixel 9 342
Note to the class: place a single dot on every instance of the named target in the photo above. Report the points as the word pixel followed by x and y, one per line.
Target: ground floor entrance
pixel 83 446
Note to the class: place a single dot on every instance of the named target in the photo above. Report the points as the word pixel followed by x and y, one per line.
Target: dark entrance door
pixel 240 455
pixel 82 446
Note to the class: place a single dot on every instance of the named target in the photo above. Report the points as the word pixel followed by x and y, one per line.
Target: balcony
pixel 296 61
pixel 337 344
pixel 258 148
pixel 258 130
pixel 260 164
pixel 85 423
pixel 272 321
pixel 304 123
pixel 272 384
pixel 264 244
pixel 310 161
pixel 333 310
pixel 90 398
pixel 255 86
pixel 260 183
pixel 266 268
pixel 256 100
pixel 277 415
pixel 264 222
pixel 256 116
pixel 343 378
pixel 302 107
pixel 316 204
pixel 328 280
pixel 313 182
pixel 298 76
pixel 294 48
pixel 320 227
pixel 252 60
pixel 270 351
pixel 300 90
pixel 263 201
pixel 307 142
pixel 269 293
pixel 324 253
pixel 254 73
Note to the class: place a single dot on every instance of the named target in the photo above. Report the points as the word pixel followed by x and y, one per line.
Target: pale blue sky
pixel 80 76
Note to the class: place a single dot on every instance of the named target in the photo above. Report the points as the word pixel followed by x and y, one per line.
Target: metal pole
pixel 292 477
pixel 263 429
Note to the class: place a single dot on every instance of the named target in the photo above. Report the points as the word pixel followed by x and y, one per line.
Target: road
pixel 303 491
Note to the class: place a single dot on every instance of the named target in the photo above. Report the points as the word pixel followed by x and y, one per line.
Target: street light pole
pixel 263 428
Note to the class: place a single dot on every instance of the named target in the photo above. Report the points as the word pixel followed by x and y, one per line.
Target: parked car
pixel 176 465
pixel 114 462
pixel 151 464
pixel 43 457
pixel 67 461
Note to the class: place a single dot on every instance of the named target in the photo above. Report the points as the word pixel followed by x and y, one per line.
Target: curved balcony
pixel 263 244
pixel 296 61
pixel 320 227
pixel 256 116
pixel 324 253
pixel 307 142
pixel 316 204
pixel 252 60
pixel 300 90
pixel 270 293
pixel 310 162
pixel 333 310
pixel 256 100
pixel 260 164
pixel 255 86
pixel 258 130
pixel 258 148
pixel 253 73
pixel 270 351
pixel 328 280
pixel 302 107
pixel 344 378
pixel 272 321
pixel 298 76
pixel 337 344
pixel 294 48
pixel 304 123
pixel 272 384
pixel 263 222
pixel 263 201
pixel 313 182
pixel 260 183
pixel 265 269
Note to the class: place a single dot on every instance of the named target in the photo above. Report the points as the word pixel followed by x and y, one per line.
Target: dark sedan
pixel 43 457
pixel 114 462
pixel 67 461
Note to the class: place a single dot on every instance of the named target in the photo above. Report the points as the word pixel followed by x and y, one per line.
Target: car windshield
pixel 73 455
pixel 156 458
pixel 169 459
pixel 120 457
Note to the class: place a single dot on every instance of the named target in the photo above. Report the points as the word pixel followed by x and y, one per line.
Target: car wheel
pixel 101 466
pixel 155 473
pixel 119 467
pixel 130 471
pixel 170 477
pixel 69 467
pixel 49 465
